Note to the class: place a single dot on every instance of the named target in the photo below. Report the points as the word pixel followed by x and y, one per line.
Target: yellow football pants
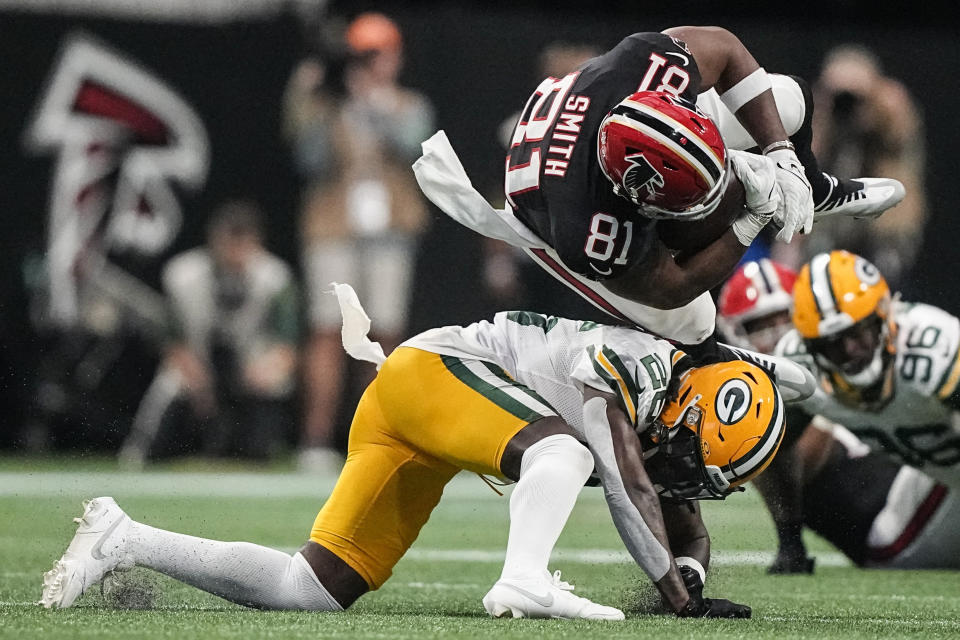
pixel 423 419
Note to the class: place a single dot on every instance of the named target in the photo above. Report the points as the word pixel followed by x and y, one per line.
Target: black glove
pixel 691 579
pixel 700 607
pixel 714 608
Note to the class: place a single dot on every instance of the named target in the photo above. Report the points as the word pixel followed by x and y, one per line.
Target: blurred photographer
pixel 354 131
pixel 866 123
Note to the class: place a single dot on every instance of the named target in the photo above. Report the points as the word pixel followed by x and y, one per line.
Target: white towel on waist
pixel 356 326
pixel 445 183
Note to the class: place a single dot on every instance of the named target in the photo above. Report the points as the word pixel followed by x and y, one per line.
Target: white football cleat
pixel 859 198
pixel 96 550
pixel 543 597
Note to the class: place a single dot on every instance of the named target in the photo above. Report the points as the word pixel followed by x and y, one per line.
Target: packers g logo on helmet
pixel 866 271
pixel 841 297
pixel 733 401
pixel 720 431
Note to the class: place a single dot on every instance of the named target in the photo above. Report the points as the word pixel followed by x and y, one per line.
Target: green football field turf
pixel 436 590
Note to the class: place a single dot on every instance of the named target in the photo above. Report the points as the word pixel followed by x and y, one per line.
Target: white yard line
pixel 912 622
pixel 612 556
pixel 89 484
pixel 443 586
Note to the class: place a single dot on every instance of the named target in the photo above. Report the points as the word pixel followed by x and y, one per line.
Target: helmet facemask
pixel 698 211
pixel 831 353
pixel 678 468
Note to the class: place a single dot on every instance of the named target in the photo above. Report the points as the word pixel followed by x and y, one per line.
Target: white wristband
pixel 693 563
pixel 779 145
pixel 746 90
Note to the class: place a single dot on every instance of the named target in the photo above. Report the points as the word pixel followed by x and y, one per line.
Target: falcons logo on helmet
pixel 641 175
pixel 122 139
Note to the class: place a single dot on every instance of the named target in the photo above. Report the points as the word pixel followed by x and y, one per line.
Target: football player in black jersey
pixel 599 155
pixel 878 511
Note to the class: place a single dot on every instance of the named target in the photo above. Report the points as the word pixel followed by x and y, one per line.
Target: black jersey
pixel 553 178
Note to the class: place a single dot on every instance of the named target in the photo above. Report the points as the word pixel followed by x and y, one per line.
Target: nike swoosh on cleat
pixel 544 600
pixel 95 551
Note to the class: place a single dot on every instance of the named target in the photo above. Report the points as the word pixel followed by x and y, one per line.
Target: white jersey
pixel 557 358
pixel 916 424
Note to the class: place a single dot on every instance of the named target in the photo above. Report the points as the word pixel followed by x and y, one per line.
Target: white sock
pixel 552 472
pixel 240 572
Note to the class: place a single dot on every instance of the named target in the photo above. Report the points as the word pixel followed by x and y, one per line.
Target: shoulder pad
pixel 928 349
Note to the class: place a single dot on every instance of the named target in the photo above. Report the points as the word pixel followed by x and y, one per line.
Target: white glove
pixel 796 215
pixel 758 175
pixel 761 193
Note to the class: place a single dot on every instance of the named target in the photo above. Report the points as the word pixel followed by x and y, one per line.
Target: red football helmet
pixel 754 305
pixel 664 155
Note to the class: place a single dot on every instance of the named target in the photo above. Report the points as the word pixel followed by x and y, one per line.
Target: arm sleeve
pixel 794 381
pixel 648 552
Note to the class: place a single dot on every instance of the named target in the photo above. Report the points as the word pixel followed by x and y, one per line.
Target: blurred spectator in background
pixel 229 365
pixel 866 123
pixel 354 132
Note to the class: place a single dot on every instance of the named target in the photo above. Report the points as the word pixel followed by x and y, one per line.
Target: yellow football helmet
pixel 720 430
pixel 842 310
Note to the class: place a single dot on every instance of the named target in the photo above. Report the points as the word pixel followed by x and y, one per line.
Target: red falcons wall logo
pixel 121 139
